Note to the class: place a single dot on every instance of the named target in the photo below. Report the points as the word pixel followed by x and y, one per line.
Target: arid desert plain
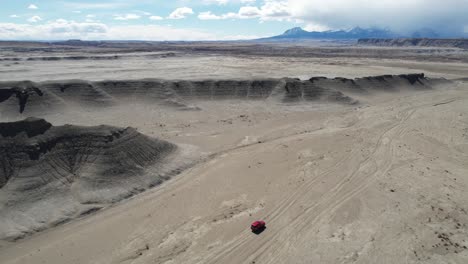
pixel 167 152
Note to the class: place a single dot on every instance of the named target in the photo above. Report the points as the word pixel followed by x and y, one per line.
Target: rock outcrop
pixel 415 42
pixel 50 174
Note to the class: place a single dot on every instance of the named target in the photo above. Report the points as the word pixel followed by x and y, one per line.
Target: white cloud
pixel 249 12
pixel 208 16
pixel 58 29
pixel 218 2
pixel 127 17
pixel 316 27
pixel 271 10
pixel 83 5
pixel 156 18
pixel 447 16
pixel 34 19
pixel 62 30
pixel 14 16
pixel 33 6
pixel 400 15
pixel 180 13
pixel 225 2
pixel 275 10
pixel 244 13
pixel 156 32
pixel 77 11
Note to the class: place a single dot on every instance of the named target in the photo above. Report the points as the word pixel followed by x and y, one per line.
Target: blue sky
pixel 219 19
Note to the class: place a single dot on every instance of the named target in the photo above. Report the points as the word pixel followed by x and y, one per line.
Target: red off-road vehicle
pixel 258 227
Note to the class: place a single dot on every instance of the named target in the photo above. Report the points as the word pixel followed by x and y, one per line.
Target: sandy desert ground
pixel 372 174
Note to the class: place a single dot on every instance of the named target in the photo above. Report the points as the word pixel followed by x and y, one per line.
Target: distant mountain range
pixel 355 33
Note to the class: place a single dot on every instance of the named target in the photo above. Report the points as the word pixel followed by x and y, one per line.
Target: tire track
pixel 326 202
pixel 355 182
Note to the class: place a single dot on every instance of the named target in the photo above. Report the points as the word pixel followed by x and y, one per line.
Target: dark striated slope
pixel 30 126
pixel 49 174
pixel 53 96
pixel 417 42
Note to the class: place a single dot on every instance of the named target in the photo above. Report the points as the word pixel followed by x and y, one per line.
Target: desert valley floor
pixel 367 164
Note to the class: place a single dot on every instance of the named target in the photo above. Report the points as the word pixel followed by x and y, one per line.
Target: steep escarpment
pixel 88 57
pixel 21 90
pixel 49 174
pixel 54 96
pixel 381 83
pixel 417 42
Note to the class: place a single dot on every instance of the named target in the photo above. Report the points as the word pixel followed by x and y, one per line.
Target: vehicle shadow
pixel 259 231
